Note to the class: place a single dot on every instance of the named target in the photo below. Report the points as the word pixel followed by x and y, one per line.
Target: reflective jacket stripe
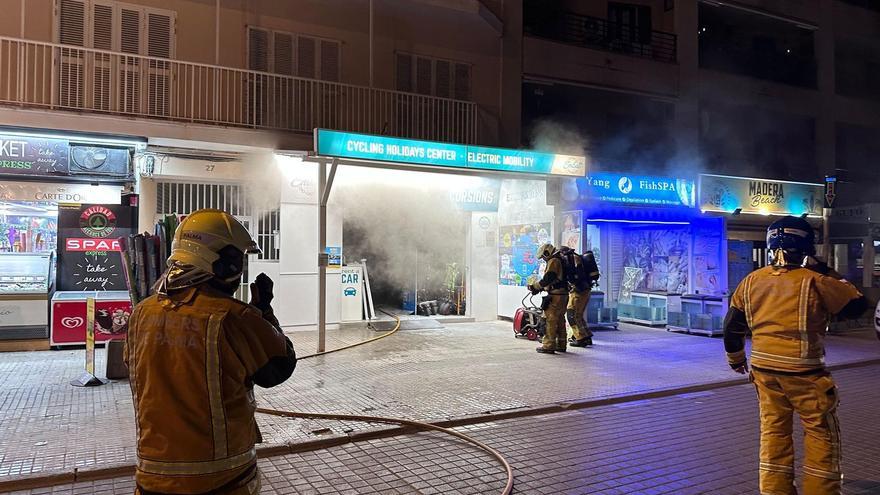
pixel 802 317
pixel 212 375
pixel 786 359
pixel 197 468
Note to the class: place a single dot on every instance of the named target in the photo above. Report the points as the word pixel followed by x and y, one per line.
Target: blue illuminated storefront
pixel 659 255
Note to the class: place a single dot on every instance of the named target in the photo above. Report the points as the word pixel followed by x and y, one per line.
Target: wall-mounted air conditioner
pixel 92 160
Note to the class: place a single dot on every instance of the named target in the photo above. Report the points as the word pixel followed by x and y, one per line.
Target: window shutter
pixel 72 23
pixel 404 72
pixel 159 35
pixel 102 27
pixel 159 44
pixel 330 60
pixel 424 69
pixel 103 35
pixel 130 35
pixel 443 75
pixel 283 54
pixel 305 57
pixel 462 82
pixel 258 49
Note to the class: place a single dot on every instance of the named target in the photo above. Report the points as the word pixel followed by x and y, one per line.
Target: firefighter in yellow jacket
pixel 194 355
pixel 553 281
pixel 787 306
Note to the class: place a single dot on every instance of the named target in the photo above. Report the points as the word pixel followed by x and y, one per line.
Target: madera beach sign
pixel 390 149
pixel 762 196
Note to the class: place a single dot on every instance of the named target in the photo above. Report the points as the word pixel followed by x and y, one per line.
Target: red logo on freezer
pixel 72 322
pixel 78 244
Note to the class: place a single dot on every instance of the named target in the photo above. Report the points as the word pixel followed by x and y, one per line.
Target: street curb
pixel 328 441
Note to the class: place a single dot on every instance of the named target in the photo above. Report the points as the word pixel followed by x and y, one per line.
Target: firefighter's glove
pixel 741 368
pixel 534 289
pixel 261 292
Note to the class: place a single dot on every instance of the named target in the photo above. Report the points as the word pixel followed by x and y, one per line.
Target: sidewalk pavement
pixel 463 369
pixel 685 444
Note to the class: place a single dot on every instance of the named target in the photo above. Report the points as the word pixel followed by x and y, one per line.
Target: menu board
pixel 89 252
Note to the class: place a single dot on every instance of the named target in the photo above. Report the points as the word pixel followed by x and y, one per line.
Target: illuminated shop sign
pixel 480 196
pixel 20 155
pixel 760 196
pixel 399 150
pixel 637 189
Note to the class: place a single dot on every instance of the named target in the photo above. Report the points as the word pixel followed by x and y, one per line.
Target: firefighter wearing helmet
pixel 786 306
pixel 555 302
pixel 194 355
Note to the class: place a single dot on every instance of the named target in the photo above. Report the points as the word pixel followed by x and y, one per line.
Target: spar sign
pixel 83 245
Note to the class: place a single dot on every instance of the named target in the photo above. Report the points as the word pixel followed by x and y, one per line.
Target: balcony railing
pixel 62 77
pixel 602 34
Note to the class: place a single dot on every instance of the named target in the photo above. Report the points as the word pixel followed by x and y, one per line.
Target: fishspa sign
pixel 760 196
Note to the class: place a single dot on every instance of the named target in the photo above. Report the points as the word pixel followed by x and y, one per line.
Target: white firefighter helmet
pixel 545 251
pixel 201 236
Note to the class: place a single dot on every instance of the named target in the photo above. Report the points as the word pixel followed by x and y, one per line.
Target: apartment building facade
pixel 772 89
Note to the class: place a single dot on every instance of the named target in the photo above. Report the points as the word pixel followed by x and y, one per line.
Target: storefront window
pixel 28 227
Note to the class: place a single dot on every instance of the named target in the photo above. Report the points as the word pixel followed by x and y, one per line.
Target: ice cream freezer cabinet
pixel 112 311
pixel 24 295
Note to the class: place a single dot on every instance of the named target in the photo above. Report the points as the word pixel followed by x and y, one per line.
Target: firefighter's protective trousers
pixel 556 336
pixel 814 398
pixel 553 281
pixel 577 304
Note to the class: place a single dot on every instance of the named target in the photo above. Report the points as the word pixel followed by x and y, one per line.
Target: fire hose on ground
pixel 508 488
pixel 418 425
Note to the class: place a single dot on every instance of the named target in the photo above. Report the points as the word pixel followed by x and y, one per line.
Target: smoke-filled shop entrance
pixel 410 229
pixel 413 227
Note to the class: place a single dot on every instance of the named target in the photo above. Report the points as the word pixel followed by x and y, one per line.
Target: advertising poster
pixel 89 257
pixel 662 256
pixel 69 320
pixel 334 254
pixel 572 229
pixel 707 258
pixel 517 247
pixel 739 262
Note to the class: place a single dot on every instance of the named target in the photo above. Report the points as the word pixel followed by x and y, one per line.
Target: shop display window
pixel 28 227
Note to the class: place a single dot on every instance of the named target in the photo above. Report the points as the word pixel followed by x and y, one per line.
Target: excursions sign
pixel 411 151
pixel 33 156
pixel 761 196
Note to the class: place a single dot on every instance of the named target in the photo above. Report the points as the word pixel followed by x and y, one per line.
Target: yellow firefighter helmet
pixel 204 233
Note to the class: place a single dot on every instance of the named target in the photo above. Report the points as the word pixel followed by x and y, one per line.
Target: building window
pixel 630 23
pixel 433 76
pixel 292 54
pixel 107 82
pixel 119 27
pixel 183 198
